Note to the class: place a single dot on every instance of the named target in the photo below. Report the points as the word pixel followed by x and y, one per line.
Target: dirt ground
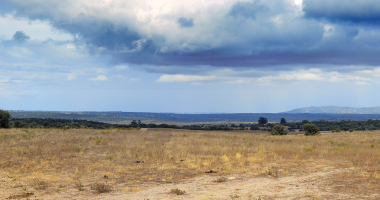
pixel 160 164
pixel 318 184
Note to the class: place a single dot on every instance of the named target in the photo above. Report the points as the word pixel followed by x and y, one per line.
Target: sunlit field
pixel 44 163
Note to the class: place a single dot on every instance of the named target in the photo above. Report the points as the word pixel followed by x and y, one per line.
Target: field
pixel 137 164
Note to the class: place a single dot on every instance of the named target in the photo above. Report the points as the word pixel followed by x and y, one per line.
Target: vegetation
pixel 101 188
pixel 178 191
pixel 262 120
pixel 279 130
pixel 324 125
pixel 310 129
pixel 4 119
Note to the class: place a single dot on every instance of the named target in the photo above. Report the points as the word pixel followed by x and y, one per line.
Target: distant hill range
pixel 337 110
pixel 126 117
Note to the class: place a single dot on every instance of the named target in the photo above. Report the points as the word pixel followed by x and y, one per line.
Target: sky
pixel 189 56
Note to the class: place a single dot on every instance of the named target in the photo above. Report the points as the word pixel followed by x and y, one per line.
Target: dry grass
pixel 132 157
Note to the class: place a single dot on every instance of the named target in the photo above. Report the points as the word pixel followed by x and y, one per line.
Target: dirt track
pixel 313 185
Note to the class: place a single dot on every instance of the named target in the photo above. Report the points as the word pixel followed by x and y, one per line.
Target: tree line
pixel 6 121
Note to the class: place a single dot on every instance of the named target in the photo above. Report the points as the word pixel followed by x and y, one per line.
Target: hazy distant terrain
pixel 337 110
pixel 173 117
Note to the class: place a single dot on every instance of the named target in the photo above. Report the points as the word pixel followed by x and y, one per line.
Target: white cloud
pixel 362 83
pixel 71 46
pixel 99 78
pixel 121 67
pixel 134 80
pixel 71 77
pixel 303 75
pixel 338 77
pixel 184 78
pixel 100 71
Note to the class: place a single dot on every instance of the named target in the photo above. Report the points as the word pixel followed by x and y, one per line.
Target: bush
pixel 255 127
pixel 178 191
pixel 279 130
pixel 4 119
pixel 310 129
pixel 101 188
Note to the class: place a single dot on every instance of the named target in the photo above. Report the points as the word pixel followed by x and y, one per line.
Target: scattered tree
pixel 305 121
pixel 46 124
pixel 310 129
pixel 279 130
pixel 262 120
pixel 345 129
pixel 134 124
pixel 282 121
pixel 4 119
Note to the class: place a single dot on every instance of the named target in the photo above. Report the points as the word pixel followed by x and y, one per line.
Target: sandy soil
pixel 313 185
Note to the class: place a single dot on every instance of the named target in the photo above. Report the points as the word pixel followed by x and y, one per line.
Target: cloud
pixel 185 22
pixel 362 83
pixel 247 9
pixel 338 77
pixel 99 78
pixel 358 12
pixel 255 34
pixel 71 46
pixel 71 78
pixel 121 67
pixel 302 75
pixel 183 78
pixel 134 80
pixel 20 36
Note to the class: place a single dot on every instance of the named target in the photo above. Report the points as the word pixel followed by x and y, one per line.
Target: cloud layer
pixel 229 33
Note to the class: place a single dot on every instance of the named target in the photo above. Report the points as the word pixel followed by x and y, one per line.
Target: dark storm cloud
pixel 353 11
pixel 275 37
pixel 20 36
pixel 247 9
pixel 185 22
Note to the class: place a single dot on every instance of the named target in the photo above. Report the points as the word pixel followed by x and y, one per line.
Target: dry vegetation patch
pixel 49 161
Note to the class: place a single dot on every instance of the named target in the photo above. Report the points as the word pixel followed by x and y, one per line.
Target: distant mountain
pixel 337 110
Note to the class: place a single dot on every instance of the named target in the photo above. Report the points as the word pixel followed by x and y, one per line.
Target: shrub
pixel 178 191
pixel 310 129
pixel 40 184
pixel 279 130
pixel 221 179
pixel 4 119
pixel 255 127
pixel 101 188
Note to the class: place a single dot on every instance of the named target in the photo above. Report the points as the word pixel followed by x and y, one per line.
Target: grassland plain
pixel 135 164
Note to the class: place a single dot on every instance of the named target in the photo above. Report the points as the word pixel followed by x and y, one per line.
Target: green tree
pixel 279 130
pixel 262 120
pixel 17 124
pixel 305 121
pixel 4 119
pixel 46 124
pixel 282 121
pixel 310 129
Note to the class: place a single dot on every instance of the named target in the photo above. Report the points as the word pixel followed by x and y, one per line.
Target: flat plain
pixel 182 164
